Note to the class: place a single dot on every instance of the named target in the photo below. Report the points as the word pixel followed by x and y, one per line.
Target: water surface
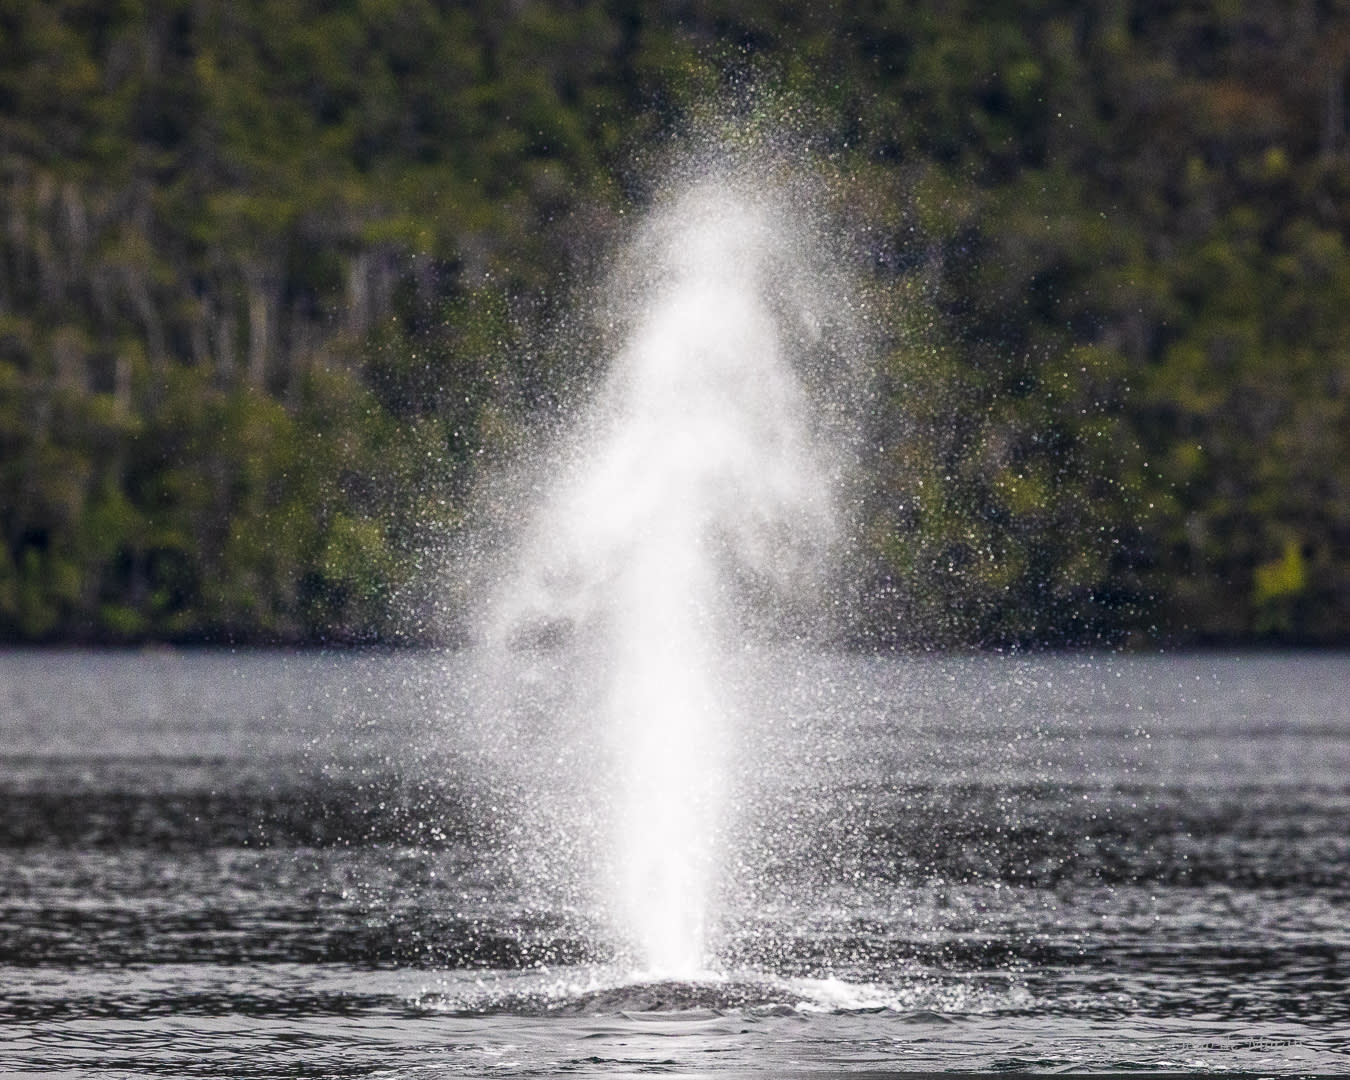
pixel 270 864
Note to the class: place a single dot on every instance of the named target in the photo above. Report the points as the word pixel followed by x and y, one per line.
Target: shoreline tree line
pixel 278 282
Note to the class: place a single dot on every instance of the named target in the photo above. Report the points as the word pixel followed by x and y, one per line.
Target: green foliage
pixel 272 278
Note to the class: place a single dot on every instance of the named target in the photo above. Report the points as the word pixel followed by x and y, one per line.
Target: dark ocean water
pixel 270 864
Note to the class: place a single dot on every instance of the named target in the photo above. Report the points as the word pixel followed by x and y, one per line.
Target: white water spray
pixel 694 486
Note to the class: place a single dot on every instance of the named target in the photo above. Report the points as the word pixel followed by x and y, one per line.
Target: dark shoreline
pixel 1180 647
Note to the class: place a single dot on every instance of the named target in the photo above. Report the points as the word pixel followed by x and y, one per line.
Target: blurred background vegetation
pixel 274 279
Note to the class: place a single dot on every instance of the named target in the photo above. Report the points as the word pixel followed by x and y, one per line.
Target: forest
pixel 280 283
